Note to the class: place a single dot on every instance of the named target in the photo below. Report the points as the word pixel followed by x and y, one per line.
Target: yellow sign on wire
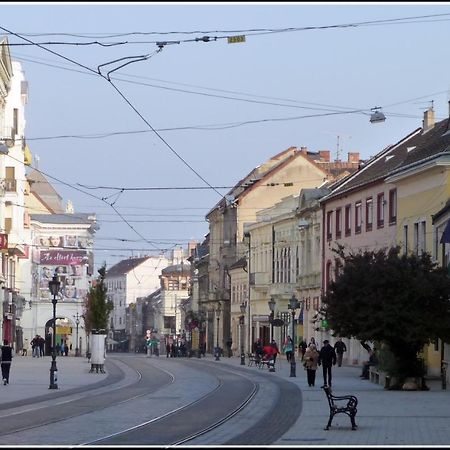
pixel 236 39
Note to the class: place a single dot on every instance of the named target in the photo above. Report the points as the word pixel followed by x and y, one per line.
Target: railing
pixel 10 185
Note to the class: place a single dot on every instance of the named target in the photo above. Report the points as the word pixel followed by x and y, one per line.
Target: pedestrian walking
pixel 288 348
pixel 258 349
pixel 229 344
pixel 302 348
pixel 340 348
pixel 35 349
pixel 327 358
pixel 275 351
pixel 6 358
pixel 311 360
pixel 41 346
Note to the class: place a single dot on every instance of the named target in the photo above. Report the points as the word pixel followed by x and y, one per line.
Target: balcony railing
pixel 10 185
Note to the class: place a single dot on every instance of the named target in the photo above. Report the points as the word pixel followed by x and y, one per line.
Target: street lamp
pixel 271 304
pixel 218 310
pixel 241 325
pixel 77 322
pixel 293 305
pixel 54 285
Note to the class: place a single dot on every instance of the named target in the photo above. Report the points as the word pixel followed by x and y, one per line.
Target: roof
pixel 65 219
pixel 428 145
pixel 378 167
pixel 44 191
pixel 257 174
pixel 125 266
pixel 181 269
pixel 239 264
pixel 414 149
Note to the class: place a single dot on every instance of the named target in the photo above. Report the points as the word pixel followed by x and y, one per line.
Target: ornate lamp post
pixel 54 285
pixel 241 325
pixel 77 322
pixel 293 305
pixel 271 304
pixel 218 311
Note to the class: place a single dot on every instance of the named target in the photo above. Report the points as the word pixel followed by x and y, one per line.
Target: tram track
pixel 226 394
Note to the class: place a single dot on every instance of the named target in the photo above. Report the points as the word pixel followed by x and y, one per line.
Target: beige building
pixel 232 220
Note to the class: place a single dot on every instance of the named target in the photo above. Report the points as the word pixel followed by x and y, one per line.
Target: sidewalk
pixel 384 417
pixel 30 377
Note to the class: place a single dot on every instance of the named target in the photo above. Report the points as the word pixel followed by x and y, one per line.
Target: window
pixel 369 214
pixel 422 237
pixel 348 220
pixel 380 210
pixel 338 223
pixel 416 238
pixel 15 122
pixel 392 206
pixel 405 239
pixel 328 274
pixel 358 217
pixel 8 225
pixel 329 217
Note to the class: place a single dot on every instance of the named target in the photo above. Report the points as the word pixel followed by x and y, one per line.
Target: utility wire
pixel 252 31
pixel 137 112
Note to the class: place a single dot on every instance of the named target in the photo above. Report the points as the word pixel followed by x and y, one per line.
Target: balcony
pixel 310 280
pixel 10 185
pixel 259 278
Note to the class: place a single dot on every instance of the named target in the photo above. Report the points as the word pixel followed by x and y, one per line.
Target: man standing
pixel 6 361
pixel 327 357
pixel 340 348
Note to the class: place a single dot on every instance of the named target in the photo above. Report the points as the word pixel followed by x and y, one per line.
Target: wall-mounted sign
pixel 62 257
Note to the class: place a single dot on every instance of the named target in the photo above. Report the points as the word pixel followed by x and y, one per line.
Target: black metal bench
pixel 341 404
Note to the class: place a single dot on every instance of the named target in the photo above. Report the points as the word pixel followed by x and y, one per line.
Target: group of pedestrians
pixel 326 357
pixel 38 346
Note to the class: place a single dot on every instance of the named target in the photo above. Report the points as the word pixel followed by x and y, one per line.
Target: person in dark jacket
pixel 340 348
pixel 6 361
pixel 327 358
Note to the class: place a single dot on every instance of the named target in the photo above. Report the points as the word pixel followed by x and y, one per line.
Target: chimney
pixel 353 157
pixel 303 150
pixel 428 120
pixel 325 155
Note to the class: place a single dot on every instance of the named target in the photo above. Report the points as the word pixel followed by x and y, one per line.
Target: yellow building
pixel 423 188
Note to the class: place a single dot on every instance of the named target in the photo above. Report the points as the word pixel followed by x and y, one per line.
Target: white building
pixel 128 280
pixel 62 246
pixel 14 231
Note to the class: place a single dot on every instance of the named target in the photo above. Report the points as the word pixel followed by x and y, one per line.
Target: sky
pixel 146 114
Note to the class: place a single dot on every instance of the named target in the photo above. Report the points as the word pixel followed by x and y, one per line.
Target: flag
pixel 446 234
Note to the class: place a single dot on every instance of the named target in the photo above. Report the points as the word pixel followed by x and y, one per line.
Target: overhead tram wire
pixel 250 32
pixel 129 104
pixel 137 112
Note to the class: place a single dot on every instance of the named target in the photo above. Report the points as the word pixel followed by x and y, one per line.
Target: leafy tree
pixel 97 306
pixel 399 301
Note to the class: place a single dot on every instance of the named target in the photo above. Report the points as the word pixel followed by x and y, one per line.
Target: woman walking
pixel 288 347
pixel 311 358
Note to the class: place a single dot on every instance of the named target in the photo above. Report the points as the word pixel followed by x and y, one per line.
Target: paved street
pixel 384 417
